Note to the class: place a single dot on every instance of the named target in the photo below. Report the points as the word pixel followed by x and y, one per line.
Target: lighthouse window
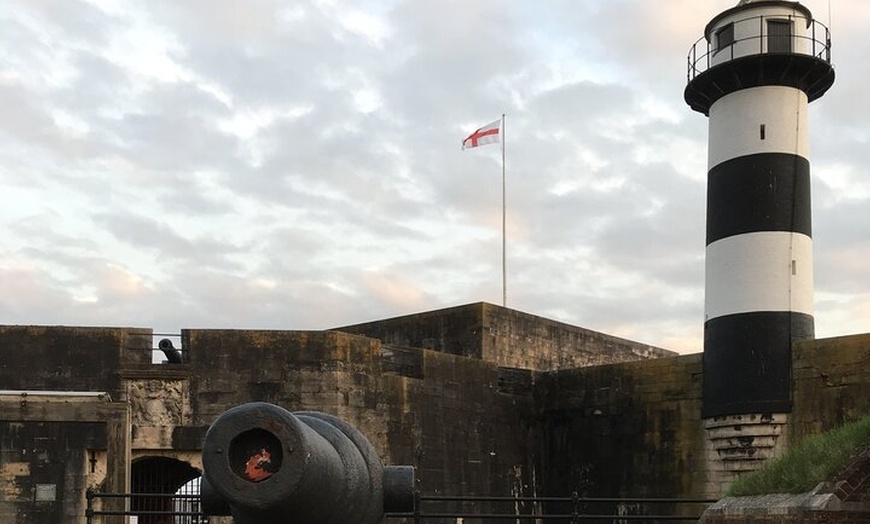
pixel 724 37
pixel 779 36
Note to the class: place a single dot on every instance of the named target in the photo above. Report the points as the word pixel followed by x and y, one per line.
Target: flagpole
pixel 503 221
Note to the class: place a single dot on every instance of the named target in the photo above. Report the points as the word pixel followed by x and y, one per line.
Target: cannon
pixel 173 356
pixel 264 464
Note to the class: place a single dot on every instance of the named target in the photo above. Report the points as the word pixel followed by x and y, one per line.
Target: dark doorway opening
pixel 779 36
pixel 168 476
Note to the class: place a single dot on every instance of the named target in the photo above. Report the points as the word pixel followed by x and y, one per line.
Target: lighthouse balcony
pixel 770 49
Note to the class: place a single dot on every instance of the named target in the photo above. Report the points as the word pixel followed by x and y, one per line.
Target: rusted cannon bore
pixel 264 464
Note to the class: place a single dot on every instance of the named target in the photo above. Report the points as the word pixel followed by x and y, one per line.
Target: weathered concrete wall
pixel 506 337
pixel 631 429
pixel 831 384
pixel 469 423
pixel 515 339
pixel 42 468
pixel 638 425
pixel 70 358
pixel 47 445
pixel 455 330
pixel 464 423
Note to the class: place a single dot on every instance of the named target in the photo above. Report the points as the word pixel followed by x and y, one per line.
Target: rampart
pixel 468 422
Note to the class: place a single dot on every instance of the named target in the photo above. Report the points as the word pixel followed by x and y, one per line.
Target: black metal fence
pixel 177 508
pixel 523 510
pixel 574 509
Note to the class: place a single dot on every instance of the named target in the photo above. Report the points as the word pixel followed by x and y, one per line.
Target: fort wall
pixel 471 426
pixel 623 430
pixel 464 423
pixel 506 337
pixel 831 384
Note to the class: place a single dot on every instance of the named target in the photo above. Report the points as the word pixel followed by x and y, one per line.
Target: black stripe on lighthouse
pixel 759 192
pixel 750 355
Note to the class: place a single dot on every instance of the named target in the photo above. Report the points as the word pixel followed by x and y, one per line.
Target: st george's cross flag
pixel 488 134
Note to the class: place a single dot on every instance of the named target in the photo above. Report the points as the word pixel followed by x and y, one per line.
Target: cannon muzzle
pixel 263 464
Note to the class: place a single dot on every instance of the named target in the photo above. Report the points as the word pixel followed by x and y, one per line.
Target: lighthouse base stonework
pixel 737 444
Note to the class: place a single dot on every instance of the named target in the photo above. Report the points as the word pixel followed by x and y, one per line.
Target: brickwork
pixel 852 485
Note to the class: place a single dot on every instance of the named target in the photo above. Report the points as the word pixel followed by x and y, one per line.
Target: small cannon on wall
pixel 264 464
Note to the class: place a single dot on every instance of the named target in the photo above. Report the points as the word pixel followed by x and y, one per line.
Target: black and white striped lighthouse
pixel 754 73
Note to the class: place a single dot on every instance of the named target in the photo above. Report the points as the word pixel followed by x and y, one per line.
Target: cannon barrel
pixel 263 464
pixel 173 356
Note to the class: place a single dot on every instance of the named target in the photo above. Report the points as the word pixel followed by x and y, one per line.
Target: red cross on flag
pixel 488 134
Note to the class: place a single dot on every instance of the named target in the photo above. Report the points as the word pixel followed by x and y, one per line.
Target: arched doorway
pixel 163 475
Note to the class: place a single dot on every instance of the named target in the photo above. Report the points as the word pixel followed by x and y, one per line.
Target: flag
pixel 488 134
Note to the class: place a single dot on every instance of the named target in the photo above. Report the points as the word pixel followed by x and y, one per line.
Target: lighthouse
pixel 754 73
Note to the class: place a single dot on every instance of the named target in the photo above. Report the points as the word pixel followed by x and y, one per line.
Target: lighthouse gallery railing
pixel 815 42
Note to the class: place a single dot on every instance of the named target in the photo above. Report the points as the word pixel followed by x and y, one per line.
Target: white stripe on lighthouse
pixel 736 119
pixel 764 271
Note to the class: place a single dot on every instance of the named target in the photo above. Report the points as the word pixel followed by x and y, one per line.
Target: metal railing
pixel 816 42
pixel 184 508
pixel 574 509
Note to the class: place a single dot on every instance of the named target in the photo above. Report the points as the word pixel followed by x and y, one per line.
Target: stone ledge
pixel 774 504
pixel 818 505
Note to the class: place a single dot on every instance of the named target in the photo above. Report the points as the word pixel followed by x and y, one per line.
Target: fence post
pixel 89 508
pixel 417 517
pixel 575 507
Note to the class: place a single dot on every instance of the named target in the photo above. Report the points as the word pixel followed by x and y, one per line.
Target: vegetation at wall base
pixel 815 459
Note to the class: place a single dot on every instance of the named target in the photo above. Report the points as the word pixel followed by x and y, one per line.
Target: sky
pixel 297 165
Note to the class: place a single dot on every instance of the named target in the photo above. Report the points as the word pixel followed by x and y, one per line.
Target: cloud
pixel 212 164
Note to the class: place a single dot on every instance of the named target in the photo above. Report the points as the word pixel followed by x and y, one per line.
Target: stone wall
pixel 631 429
pixel 507 338
pixel 831 384
pixel 469 425
pixel 50 452
pixel 782 515
pixel 70 358
pixel 456 330
pixel 44 464
pixel 464 423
